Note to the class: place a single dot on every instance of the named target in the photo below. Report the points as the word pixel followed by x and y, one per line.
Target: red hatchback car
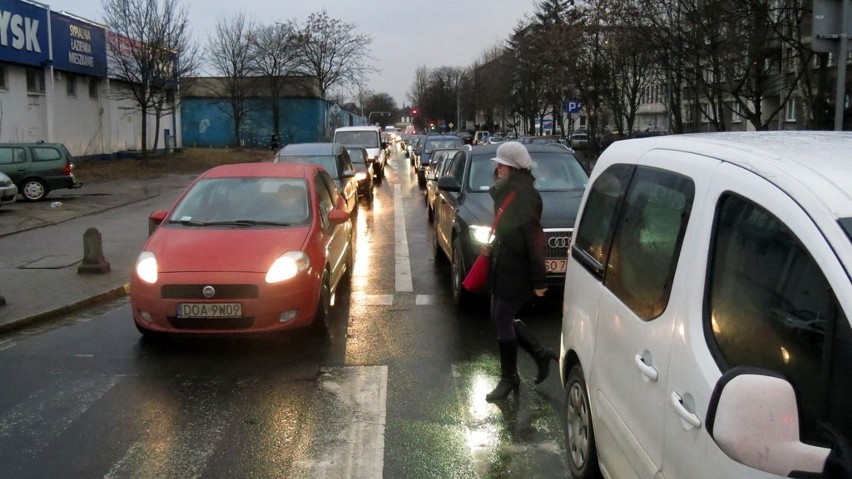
pixel 253 247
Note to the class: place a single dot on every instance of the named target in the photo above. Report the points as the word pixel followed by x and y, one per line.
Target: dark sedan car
pixel 334 158
pixel 440 160
pixel 364 172
pixel 423 160
pixel 464 210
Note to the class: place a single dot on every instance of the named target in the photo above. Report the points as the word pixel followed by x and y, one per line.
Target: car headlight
pixel 287 266
pixel 481 234
pixel 361 175
pixel 146 267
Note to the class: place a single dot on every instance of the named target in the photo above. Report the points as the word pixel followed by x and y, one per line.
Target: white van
pixel 370 137
pixel 707 306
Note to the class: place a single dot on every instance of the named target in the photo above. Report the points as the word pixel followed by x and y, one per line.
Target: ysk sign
pixel 23 33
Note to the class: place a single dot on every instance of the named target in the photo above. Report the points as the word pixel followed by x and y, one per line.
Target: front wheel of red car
pixel 147 334
pixel 322 320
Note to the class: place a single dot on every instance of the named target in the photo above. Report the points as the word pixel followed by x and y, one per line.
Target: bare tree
pixel 229 50
pixel 149 51
pixel 417 93
pixel 275 56
pixel 335 54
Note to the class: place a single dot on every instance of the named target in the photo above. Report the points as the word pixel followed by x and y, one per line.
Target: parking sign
pixel 572 106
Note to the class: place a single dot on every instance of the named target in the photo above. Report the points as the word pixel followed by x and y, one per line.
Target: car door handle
pixel 648 371
pixel 690 418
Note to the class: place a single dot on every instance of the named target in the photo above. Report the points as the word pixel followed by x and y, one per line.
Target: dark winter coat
pixel 518 250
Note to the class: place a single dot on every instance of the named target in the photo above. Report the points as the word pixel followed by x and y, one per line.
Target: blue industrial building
pixel 207 119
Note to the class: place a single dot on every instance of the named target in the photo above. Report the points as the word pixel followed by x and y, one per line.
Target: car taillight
pixel 69 168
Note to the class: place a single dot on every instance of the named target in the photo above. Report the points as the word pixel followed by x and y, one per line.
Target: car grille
pixel 557 241
pixel 223 291
pixel 210 324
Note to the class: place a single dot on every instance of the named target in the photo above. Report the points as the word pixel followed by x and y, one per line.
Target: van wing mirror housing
pixel 754 418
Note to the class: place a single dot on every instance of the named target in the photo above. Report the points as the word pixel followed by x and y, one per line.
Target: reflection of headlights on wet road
pixel 481 234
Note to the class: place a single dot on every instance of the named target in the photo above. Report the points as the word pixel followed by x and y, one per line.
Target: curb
pixel 114 293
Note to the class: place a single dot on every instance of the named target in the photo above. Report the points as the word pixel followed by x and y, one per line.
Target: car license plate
pixel 555 265
pixel 209 310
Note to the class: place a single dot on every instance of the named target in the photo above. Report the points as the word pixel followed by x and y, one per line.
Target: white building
pixel 55 85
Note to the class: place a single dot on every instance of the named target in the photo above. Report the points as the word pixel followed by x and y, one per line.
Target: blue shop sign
pixel 23 33
pixel 78 47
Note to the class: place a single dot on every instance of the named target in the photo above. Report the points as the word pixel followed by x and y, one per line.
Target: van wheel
pixel 579 433
pixel 34 189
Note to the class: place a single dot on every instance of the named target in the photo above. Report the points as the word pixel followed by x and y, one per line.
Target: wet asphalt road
pixel 397 391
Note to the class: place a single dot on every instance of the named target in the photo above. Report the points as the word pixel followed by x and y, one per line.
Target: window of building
pixel 736 113
pixel 70 84
pixel 93 87
pixel 3 77
pixel 790 114
pixel 35 80
pixel 771 306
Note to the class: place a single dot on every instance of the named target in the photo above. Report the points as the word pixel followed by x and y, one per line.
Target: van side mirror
pixel 754 418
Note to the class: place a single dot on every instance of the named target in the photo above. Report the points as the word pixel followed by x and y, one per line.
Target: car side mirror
pixel 448 183
pixel 754 418
pixel 155 219
pixel 338 216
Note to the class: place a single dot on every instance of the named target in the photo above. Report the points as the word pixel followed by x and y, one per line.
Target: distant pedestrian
pixel 517 265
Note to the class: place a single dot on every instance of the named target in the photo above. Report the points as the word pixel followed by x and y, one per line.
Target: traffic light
pixel 414 111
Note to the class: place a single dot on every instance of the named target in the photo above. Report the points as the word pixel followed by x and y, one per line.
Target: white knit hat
pixel 514 154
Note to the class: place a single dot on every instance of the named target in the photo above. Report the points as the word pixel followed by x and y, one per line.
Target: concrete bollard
pixel 93 254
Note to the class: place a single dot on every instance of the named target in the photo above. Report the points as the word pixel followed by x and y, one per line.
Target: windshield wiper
pixel 248 223
pixel 189 222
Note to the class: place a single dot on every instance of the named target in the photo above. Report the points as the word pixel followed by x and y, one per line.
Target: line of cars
pixel 258 247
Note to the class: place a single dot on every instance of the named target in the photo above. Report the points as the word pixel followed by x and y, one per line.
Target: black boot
pixel 509 380
pixel 540 354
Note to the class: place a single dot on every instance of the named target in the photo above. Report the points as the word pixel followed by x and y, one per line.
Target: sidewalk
pixel 41 246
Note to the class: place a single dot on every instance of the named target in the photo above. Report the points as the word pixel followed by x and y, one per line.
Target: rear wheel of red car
pixel 34 189
pixel 322 320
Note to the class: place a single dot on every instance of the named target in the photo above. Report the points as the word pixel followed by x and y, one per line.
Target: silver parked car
pixel 8 190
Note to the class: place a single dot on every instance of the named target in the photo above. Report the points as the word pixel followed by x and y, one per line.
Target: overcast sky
pixel 406 35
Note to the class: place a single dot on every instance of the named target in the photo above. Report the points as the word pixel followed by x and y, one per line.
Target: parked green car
pixel 38 168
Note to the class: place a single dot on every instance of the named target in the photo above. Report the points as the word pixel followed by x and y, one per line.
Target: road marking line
pixel 373 299
pixel 401 259
pixel 424 299
pixel 6 344
pixel 363 392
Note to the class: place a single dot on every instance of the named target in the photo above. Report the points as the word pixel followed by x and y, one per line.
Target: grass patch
pixel 187 161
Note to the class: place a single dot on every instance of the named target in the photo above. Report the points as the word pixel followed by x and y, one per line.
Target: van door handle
pixel 689 417
pixel 648 371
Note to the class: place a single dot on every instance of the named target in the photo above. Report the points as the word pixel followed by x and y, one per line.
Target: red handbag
pixel 477 278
